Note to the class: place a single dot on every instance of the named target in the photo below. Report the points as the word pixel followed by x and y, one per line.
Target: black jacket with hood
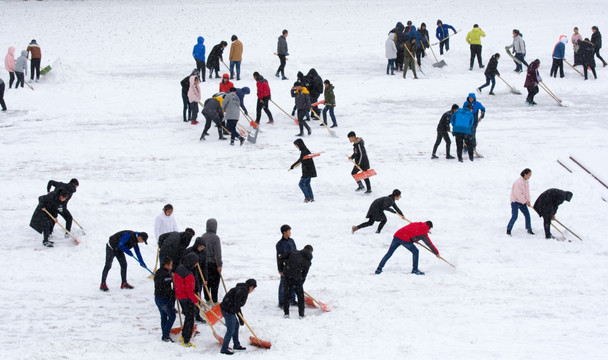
pixel 308 165
pixel 548 202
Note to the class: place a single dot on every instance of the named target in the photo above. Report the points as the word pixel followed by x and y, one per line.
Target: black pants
pixel 120 256
pixel 35 66
pixel 281 68
pixel 532 91
pixel 466 139
pixel 208 121
pixel 262 104
pixel 213 67
pixel 186 106
pixel 47 229
pixel 367 182
pixel 67 216
pixel 193 111
pixel 201 69
pixel 188 308
pixel 399 59
pixel 20 79
pixel 442 135
pixel 597 53
pixel 371 222
pixel 298 287
pixel 547 225
pixel 419 55
pixel 301 123
pixel 2 103
pixel 557 64
pixel 584 71
pixel 476 52
pixel 213 282
pixel 11 76
pixel 445 43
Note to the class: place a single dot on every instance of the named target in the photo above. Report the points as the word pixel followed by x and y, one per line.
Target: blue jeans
pixel 306 189
pixel 292 295
pixel 515 206
pixel 232 331
pixel 167 314
pixel 394 245
pixel 390 66
pixel 236 64
pixel 520 57
pixel 489 79
pixel 331 114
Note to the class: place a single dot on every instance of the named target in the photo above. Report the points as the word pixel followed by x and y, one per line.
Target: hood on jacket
pixel 185 238
pixel 312 73
pixel 261 79
pixel 300 144
pixel 563 39
pixel 358 140
pixel 11 50
pixel 190 261
pixel 226 76
pixel 198 242
pixel 300 75
pixel 246 90
pixel 568 196
pixel 472 95
pixel 200 40
pixel 24 53
pixel 212 225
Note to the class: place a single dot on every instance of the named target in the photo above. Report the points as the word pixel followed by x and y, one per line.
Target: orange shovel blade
pixel 214 314
pixel 364 174
pixel 310 302
pixel 260 343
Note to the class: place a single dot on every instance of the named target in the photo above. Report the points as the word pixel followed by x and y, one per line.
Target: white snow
pixel 109 114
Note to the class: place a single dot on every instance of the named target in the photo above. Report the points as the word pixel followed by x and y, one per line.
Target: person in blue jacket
pixel 199 56
pixel 559 53
pixel 241 94
pixel 462 122
pixel 285 246
pixel 442 33
pixel 415 34
pixel 477 107
pixel 119 245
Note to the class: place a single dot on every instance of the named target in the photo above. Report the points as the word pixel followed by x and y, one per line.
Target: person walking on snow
pixel 34 48
pixel 68 189
pixel 282 53
pixel 213 112
pixel 213 246
pixel 164 297
pixel 477 117
pixel 41 221
pixel 443 128
pixel 559 53
pixel 295 270
pixel 359 156
pixel 308 170
pixel 462 123
pixel 264 96
pixel 9 65
pixel 232 112
pixel 532 80
pixel 198 53
pixel 407 236
pixel 231 306
pixel 490 73
pixel 330 103
pixel 587 54
pixel 21 69
pixel 118 245
pixel 214 58
pixel 184 293
pixel 377 209
pixel 520 200
pixel 547 204
pixel 575 38
pixel 442 34
pixel 596 39
pixel 303 105
pixel 284 246
pixel 474 39
pixel 519 50
pixel 235 57
pixel 194 97
pixel 391 53
pixel 165 222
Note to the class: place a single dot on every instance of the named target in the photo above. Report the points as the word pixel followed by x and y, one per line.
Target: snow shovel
pixel 212 314
pixel 255 340
pixel 548 91
pixel 215 335
pixel 575 69
pixel 437 63
pixel 28 84
pixel 447 37
pixel 64 229
pixel 362 175
pixel 80 226
pixel 570 231
pixel 414 59
pixel 563 237
pixel 45 70
pixel 155 263
pixel 309 156
pixel 205 284
pixel 227 67
pixel 331 132
pixel 314 302
pixel 513 90
pixel 424 246
pixel 285 112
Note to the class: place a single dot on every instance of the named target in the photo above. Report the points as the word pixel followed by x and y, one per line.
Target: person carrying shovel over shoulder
pixel 359 156
pixel 377 208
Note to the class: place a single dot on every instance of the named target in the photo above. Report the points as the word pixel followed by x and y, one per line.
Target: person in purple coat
pixel 532 80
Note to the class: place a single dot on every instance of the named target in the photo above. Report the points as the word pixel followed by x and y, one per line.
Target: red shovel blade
pixel 318 103
pixel 259 342
pixel 364 174
pixel 323 306
pixel 310 302
pixel 178 330
pixel 214 314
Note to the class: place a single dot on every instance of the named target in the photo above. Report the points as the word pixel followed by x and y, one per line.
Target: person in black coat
pixel 420 51
pixel 164 297
pixel 443 128
pixel 213 60
pixel 173 245
pixel 118 245
pixel 231 306
pixel 41 221
pixel 315 87
pixel 490 73
pixel 213 112
pixel 587 54
pixel 359 156
pixel 69 189
pixel 596 39
pixel 399 37
pixel 296 266
pixel 308 170
pixel 547 204
pixel 284 246
pixel 376 211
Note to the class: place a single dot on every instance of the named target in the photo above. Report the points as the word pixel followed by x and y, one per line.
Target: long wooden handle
pixel 572 232
pixel 323 122
pixel 424 246
pixel 575 69
pixel 311 298
pixel 179 310
pixel 357 165
pixel 221 277
pixel 156 262
pixel 76 222
pixel 207 321
pixel 432 51
pixel 285 112
pixel 205 284
pixel 250 329
pixel 505 82
pixel 58 223
pixel 209 309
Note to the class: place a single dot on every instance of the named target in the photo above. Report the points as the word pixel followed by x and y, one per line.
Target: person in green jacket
pixel 409 59
pixel 330 103
pixel 474 39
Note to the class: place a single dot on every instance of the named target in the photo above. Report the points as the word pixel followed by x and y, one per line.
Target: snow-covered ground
pixel 109 114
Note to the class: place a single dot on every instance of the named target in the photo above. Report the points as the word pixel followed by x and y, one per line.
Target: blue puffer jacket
pixel 414 34
pixel 443 31
pixel 462 121
pixel 199 49
pixel 476 106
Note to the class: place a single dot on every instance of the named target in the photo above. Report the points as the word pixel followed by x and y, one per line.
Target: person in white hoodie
pixel 21 69
pixel 165 222
pixel 391 53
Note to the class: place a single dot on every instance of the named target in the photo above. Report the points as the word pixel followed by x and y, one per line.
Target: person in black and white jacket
pixel 359 156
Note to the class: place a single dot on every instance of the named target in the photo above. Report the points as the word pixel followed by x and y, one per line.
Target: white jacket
pixel 164 224
pixel 391 48
pixel 519 45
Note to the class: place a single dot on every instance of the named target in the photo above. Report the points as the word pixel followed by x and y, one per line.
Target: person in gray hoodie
pixel 232 111
pixel 21 69
pixel 282 53
pixel 213 248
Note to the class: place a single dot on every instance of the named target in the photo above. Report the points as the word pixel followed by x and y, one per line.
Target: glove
pixel 241 321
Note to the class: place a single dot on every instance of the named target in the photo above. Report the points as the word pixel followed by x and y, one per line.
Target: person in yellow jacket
pixel 474 39
pixel 236 56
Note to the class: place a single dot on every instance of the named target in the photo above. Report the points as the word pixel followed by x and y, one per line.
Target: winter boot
pixel 360 188
pixel 508 232
pixel 47 243
pixel 449 157
pixel 417 272
pixel 242 140
pixel 354 228
pixel 530 232
pixel 103 287
pixel 434 156
pixel 126 285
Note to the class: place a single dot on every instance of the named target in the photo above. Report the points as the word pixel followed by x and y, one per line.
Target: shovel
pixel 155 263
pixel 513 90
pixel 424 246
pixel 309 156
pixel 177 330
pixel 62 227
pixel 255 340
pixel 285 112
pixel 362 175
pixel 331 132
pixel 214 314
pixel 315 303
pixel 217 337
pixel 437 63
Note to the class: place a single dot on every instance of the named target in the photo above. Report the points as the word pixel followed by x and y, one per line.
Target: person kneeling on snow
pixel 408 236
pixel 231 306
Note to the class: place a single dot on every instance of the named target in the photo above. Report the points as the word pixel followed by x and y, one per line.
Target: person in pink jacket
pixel 194 96
pixel 520 200
pixel 9 64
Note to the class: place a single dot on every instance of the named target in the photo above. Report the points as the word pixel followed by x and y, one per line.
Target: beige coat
pixel 236 51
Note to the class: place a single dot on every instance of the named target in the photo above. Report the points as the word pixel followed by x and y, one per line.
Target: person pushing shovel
pixel 118 245
pixel 407 236
pixel 377 208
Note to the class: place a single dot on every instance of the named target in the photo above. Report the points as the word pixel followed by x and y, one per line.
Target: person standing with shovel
pixel 231 306
pixel 165 298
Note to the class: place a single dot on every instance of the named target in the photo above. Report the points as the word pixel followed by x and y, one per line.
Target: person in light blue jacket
pixel 477 107
pixel 559 53
pixel 442 33
pixel 462 121
pixel 198 52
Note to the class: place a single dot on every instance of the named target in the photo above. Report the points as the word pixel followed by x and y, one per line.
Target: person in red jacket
pixel 263 98
pixel 184 292
pixel 226 84
pixel 407 236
